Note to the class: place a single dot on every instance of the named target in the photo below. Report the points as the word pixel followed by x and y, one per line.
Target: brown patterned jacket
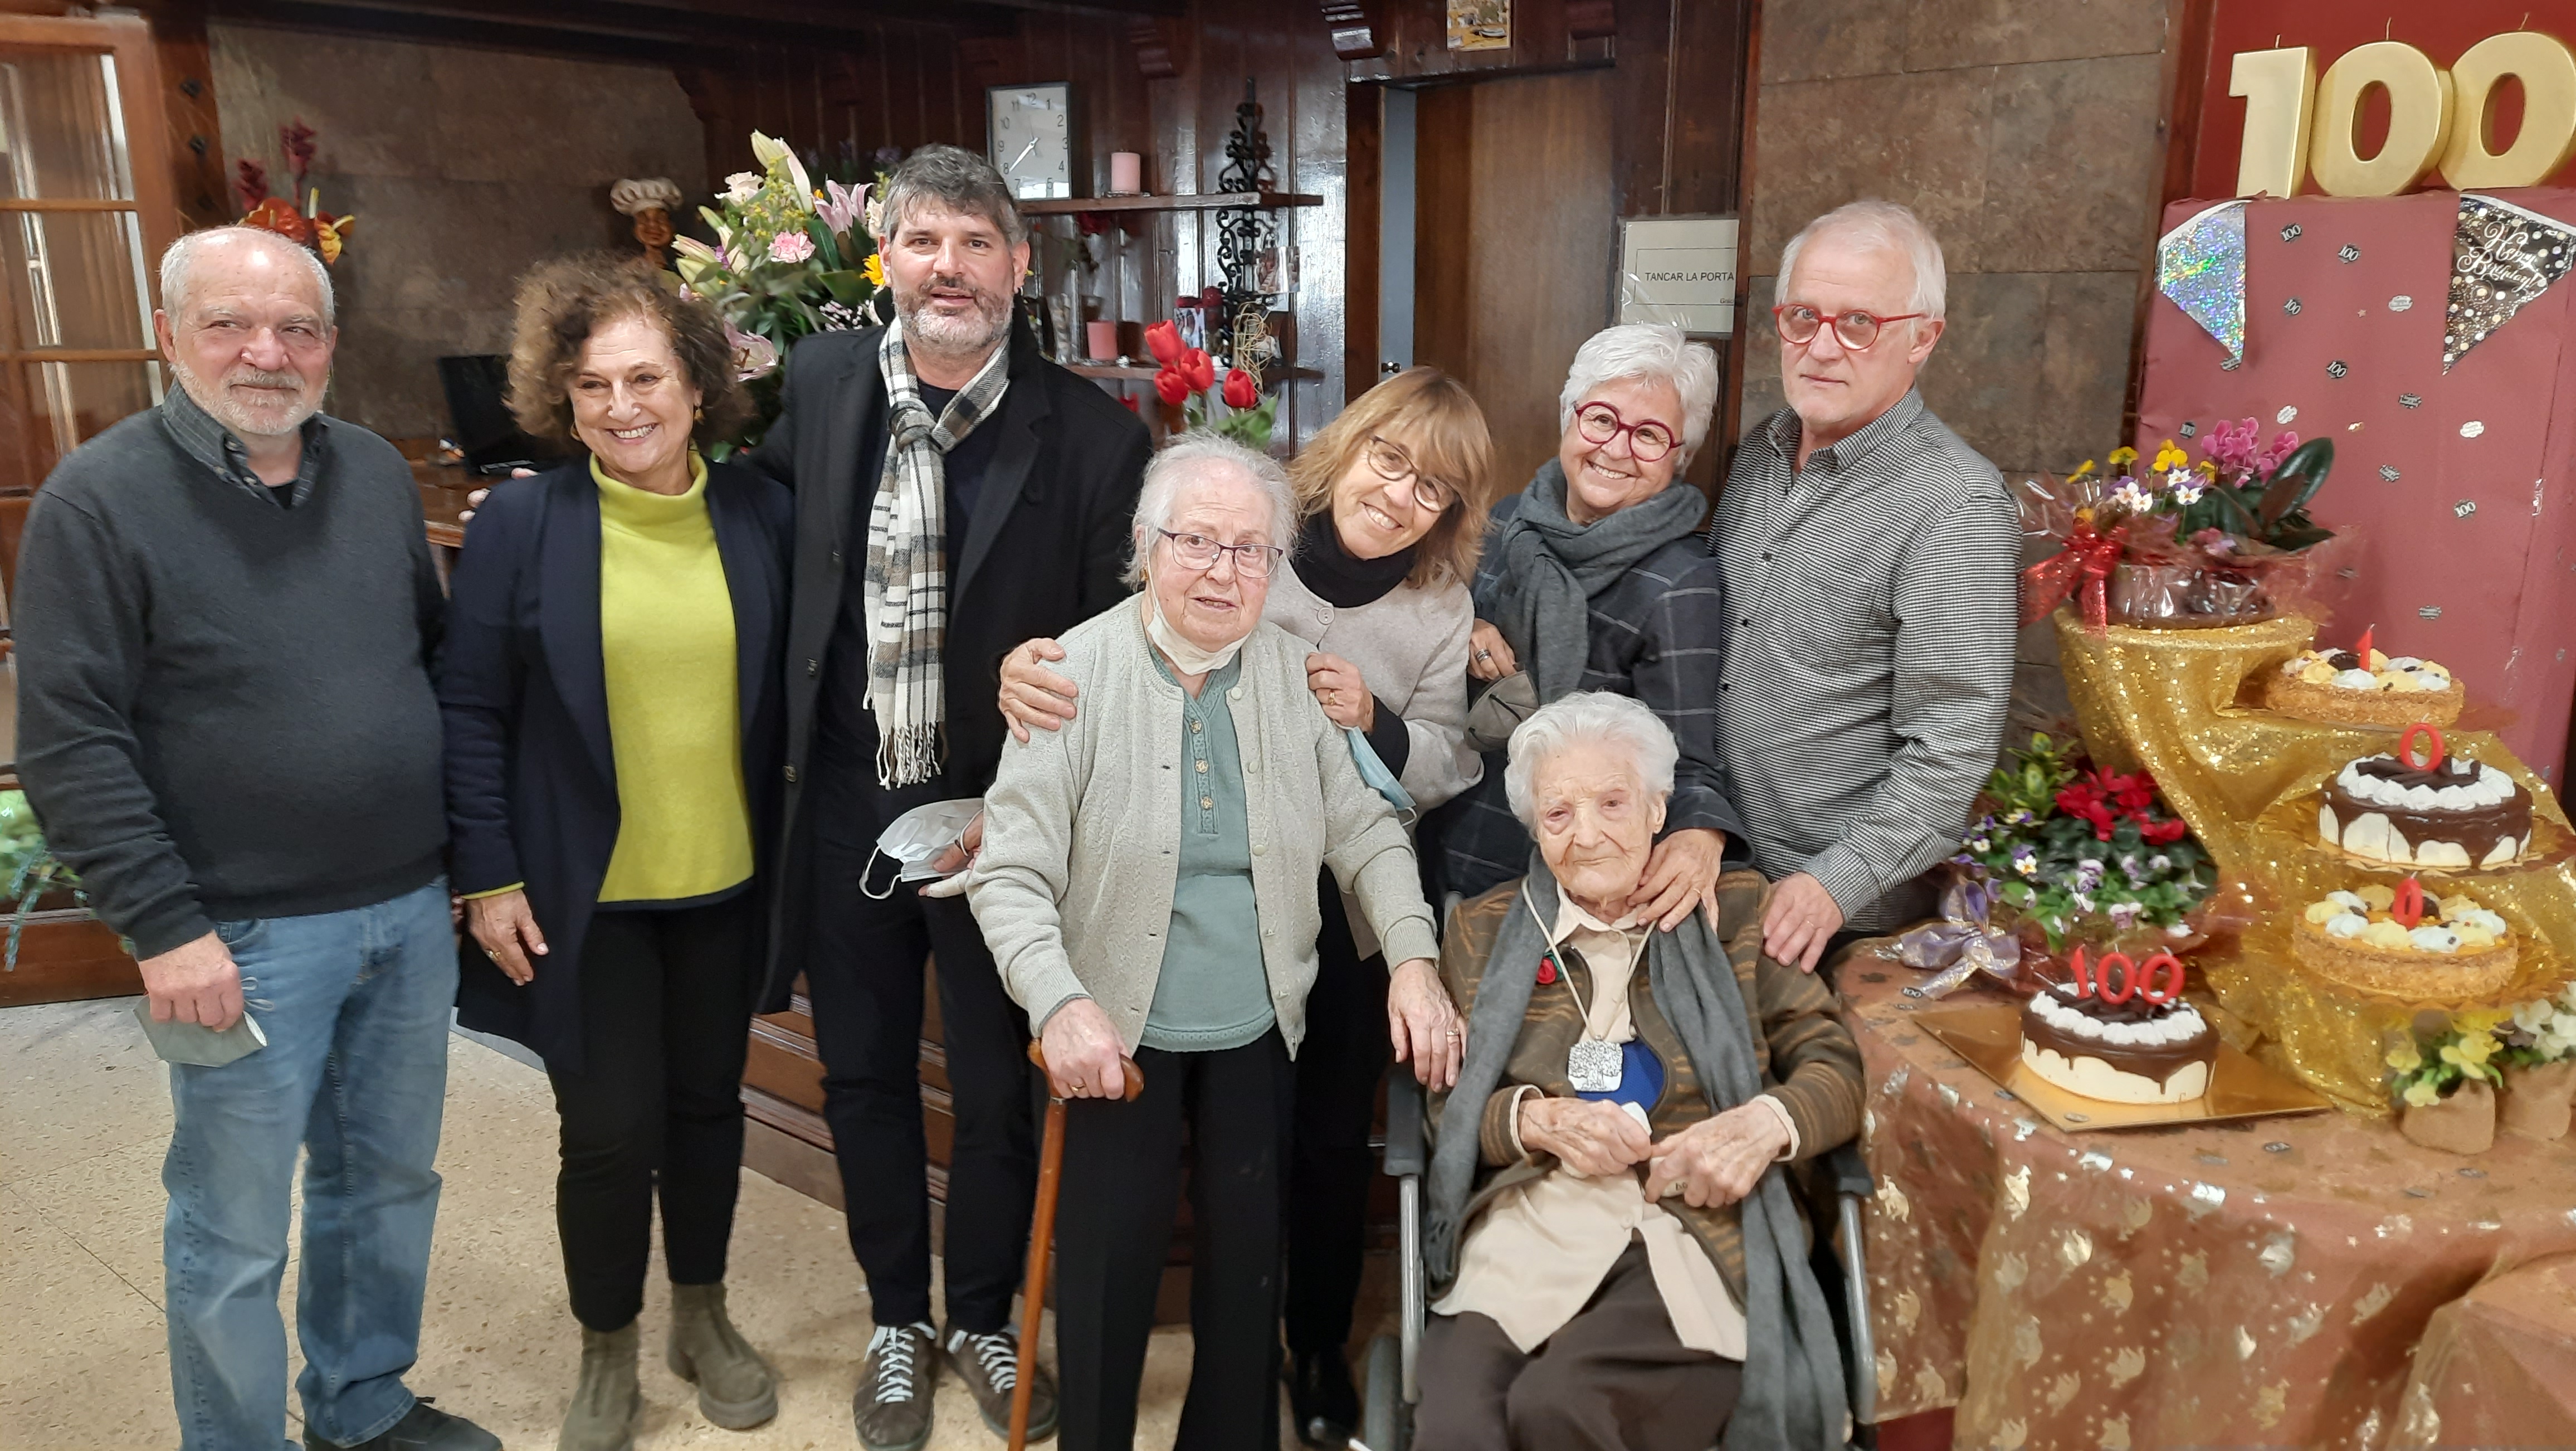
pixel 1805 1055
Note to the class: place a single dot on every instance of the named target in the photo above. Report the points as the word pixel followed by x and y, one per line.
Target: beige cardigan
pixel 1082 828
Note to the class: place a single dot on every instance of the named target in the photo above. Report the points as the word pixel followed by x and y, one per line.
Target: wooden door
pixel 1515 226
pixel 85 200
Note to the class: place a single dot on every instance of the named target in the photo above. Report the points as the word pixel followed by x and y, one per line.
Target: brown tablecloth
pixel 2255 1283
pixel 2498 1365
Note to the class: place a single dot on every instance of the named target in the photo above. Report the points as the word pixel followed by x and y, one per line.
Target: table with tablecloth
pixel 2259 1282
pixel 2497 1367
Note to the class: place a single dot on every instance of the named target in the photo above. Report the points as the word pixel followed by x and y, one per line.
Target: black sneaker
pixel 990 1366
pixel 892 1407
pixel 423 1428
pixel 1322 1402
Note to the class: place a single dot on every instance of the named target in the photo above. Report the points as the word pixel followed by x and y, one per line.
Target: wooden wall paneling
pixel 1364 126
pixel 1443 193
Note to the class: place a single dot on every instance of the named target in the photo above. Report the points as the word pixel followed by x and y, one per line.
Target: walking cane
pixel 1042 1238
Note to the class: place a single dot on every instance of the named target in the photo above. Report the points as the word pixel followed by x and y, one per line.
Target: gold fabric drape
pixel 2247 780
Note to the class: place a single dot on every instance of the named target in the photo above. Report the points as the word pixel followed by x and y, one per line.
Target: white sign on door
pixel 1678 271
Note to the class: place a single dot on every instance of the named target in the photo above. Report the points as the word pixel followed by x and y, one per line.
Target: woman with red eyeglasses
pixel 1594 578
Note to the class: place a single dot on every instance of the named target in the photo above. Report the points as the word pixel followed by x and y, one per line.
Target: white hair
pixel 1589 717
pixel 1190 457
pixel 1654 352
pixel 1885 227
pixel 179 265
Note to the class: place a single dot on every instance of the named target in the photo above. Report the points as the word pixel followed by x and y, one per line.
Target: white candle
pixel 1126 173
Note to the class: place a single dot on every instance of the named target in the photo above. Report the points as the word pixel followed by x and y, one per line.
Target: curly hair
pixel 563 301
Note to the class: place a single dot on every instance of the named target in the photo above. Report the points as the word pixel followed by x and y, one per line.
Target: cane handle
pixel 1135 1076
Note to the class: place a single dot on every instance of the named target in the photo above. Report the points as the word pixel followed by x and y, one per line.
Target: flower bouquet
pixel 2539 1057
pixel 787 261
pixel 1188 374
pixel 312 227
pixel 2225 541
pixel 2075 851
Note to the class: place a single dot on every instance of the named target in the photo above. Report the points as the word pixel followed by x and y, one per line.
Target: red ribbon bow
pixel 2085 564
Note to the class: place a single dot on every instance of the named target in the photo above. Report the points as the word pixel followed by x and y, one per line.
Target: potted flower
pixel 2539 1057
pixel 2074 850
pixel 2176 544
pixel 2445 1084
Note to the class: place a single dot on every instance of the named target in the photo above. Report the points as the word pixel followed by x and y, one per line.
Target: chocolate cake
pixel 2456 813
pixel 2138 1051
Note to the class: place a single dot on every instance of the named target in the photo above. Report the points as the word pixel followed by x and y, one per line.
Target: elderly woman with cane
pixel 1610 1228
pixel 1148 884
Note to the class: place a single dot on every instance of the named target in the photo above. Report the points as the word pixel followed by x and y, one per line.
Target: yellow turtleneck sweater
pixel 666 640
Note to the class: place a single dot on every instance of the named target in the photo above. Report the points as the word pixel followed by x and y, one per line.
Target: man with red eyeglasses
pixel 1869 560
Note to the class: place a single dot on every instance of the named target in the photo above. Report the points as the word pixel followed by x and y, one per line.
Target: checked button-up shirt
pixel 1870 660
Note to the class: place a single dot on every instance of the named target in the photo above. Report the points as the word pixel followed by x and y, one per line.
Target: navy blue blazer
pixel 531 777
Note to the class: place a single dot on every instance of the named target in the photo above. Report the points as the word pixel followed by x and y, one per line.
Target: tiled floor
pixel 85 1115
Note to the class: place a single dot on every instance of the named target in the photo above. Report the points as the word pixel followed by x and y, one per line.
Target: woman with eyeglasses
pixel 1595 578
pixel 1392 498
pixel 1149 885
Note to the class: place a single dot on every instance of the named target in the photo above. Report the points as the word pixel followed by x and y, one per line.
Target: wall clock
pixel 1032 141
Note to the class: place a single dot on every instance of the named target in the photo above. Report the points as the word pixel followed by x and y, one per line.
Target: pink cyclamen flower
pixel 790 247
pixel 754 356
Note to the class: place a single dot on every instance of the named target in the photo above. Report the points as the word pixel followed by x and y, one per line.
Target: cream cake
pixel 2139 1051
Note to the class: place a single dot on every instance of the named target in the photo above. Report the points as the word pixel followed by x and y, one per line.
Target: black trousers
pixel 1330 1164
pixel 865 979
pixel 1113 1229
pixel 666 999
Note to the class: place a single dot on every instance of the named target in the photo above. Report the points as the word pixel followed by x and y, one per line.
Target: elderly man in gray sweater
pixel 1148 884
pixel 225 614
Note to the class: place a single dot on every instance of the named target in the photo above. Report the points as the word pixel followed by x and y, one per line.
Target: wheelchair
pixel 1390 1391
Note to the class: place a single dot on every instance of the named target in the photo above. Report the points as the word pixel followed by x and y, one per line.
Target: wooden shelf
pixel 1210 201
pixel 1114 373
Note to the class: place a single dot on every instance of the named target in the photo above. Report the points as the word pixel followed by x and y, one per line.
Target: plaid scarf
pixel 907 569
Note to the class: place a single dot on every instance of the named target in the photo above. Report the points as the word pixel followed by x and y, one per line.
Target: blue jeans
pixel 355 1006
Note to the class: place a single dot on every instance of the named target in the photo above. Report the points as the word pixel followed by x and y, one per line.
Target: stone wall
pixel 2025 133
pixel 462 167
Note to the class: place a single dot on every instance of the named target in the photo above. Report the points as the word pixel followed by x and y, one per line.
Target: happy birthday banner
pixel 2502 259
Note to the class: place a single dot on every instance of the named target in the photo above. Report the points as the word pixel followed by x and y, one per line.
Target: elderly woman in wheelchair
pixel 1611 1234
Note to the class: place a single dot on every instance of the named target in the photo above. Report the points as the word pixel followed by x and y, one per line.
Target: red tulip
pixel 1163 340
pixel 1174 388
pixel 1198 369
pixel 1241 391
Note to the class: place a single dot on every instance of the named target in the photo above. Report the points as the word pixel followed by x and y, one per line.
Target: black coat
pixel 531 776
pixel 1044 552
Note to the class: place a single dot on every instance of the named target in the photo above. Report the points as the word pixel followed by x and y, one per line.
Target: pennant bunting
pixel 2201 266
pixel 2502 257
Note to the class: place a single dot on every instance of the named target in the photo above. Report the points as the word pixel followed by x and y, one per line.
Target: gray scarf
pixel 907 565
pixel 1793 1393
pixel 1552 567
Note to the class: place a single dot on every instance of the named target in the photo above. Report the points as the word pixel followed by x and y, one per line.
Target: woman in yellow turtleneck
pixel 610 687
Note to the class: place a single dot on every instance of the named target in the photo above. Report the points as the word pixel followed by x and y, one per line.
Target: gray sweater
pixel 224 708
pixel 1074 885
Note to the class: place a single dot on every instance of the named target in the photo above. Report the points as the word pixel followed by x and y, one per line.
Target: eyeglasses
pixel 1394 465
pixel 1252 561
pixel 1855 330
pixel 1647 441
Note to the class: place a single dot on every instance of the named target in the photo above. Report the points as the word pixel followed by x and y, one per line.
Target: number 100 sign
pixel 2299 124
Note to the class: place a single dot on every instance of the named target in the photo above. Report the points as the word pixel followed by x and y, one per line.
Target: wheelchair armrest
pixel 1849 1171
pixel 1404 1147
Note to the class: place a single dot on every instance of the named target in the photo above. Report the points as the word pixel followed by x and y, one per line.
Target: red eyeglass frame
pixel 1827 320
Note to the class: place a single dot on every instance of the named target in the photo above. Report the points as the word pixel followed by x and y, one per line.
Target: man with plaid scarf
pixel 956 493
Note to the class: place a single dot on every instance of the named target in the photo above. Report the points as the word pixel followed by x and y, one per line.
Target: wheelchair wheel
pixel 1384 1417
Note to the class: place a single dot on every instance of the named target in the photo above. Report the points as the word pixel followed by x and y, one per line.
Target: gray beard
pixel 219 405
pixel 954 336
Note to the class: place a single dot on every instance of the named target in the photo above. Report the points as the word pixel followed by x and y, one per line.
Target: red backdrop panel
pixel 2459 488
pixel 2331 27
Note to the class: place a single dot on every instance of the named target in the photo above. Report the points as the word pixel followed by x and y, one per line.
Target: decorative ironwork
pixel 1244 233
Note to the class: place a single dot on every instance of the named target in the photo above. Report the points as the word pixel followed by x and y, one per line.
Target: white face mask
pixel 1186 658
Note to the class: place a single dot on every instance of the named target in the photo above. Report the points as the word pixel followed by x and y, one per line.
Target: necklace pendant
pixel 1593 1066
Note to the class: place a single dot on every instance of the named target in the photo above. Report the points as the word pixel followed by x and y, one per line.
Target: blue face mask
pixel 1379 778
